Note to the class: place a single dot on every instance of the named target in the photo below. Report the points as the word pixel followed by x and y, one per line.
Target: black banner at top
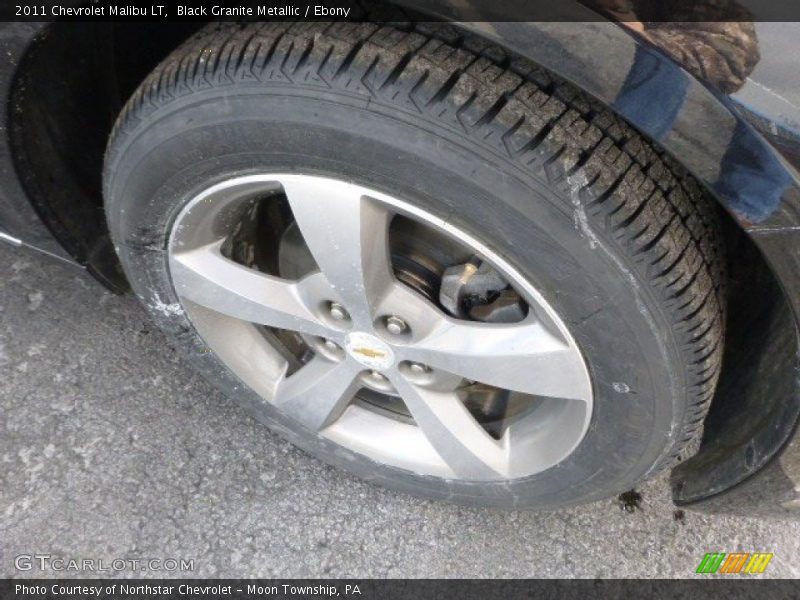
pixel 679 11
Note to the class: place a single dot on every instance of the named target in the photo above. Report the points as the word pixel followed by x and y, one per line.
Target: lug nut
pixel 331 345
pixel 338 312
pixel 395 325
pixel 418 368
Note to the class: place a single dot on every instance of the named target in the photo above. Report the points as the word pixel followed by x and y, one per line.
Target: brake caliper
pixel 475 290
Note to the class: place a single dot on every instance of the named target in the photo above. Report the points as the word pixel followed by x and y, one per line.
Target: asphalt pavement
pixel 111 447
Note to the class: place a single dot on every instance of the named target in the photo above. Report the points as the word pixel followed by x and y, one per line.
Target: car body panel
pixel 18 219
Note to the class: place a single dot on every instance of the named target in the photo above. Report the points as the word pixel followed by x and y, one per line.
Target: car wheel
pixel 445 274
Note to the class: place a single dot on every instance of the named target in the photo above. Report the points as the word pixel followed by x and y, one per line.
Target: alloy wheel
pixel 363 332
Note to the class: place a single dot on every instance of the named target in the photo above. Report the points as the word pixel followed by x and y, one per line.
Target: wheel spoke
pixel 453 432
pixel 318 393
pixel 206 277
pixel 347 233
pixel 523 357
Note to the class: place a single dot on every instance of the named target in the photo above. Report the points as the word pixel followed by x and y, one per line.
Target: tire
pixel 615 236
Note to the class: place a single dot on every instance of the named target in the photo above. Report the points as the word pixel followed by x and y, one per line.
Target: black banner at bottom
pixel 368 589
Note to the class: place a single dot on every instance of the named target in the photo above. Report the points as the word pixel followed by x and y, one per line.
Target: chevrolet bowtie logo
pixel 369 352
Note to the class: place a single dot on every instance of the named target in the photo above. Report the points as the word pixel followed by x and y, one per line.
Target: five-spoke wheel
pixel 366 329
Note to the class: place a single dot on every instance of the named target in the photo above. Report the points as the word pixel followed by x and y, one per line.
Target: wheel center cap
pixel 369 350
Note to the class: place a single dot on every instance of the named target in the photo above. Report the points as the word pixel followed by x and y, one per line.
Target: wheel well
pixel 67 93
pixel 73 82
pixel 754 410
